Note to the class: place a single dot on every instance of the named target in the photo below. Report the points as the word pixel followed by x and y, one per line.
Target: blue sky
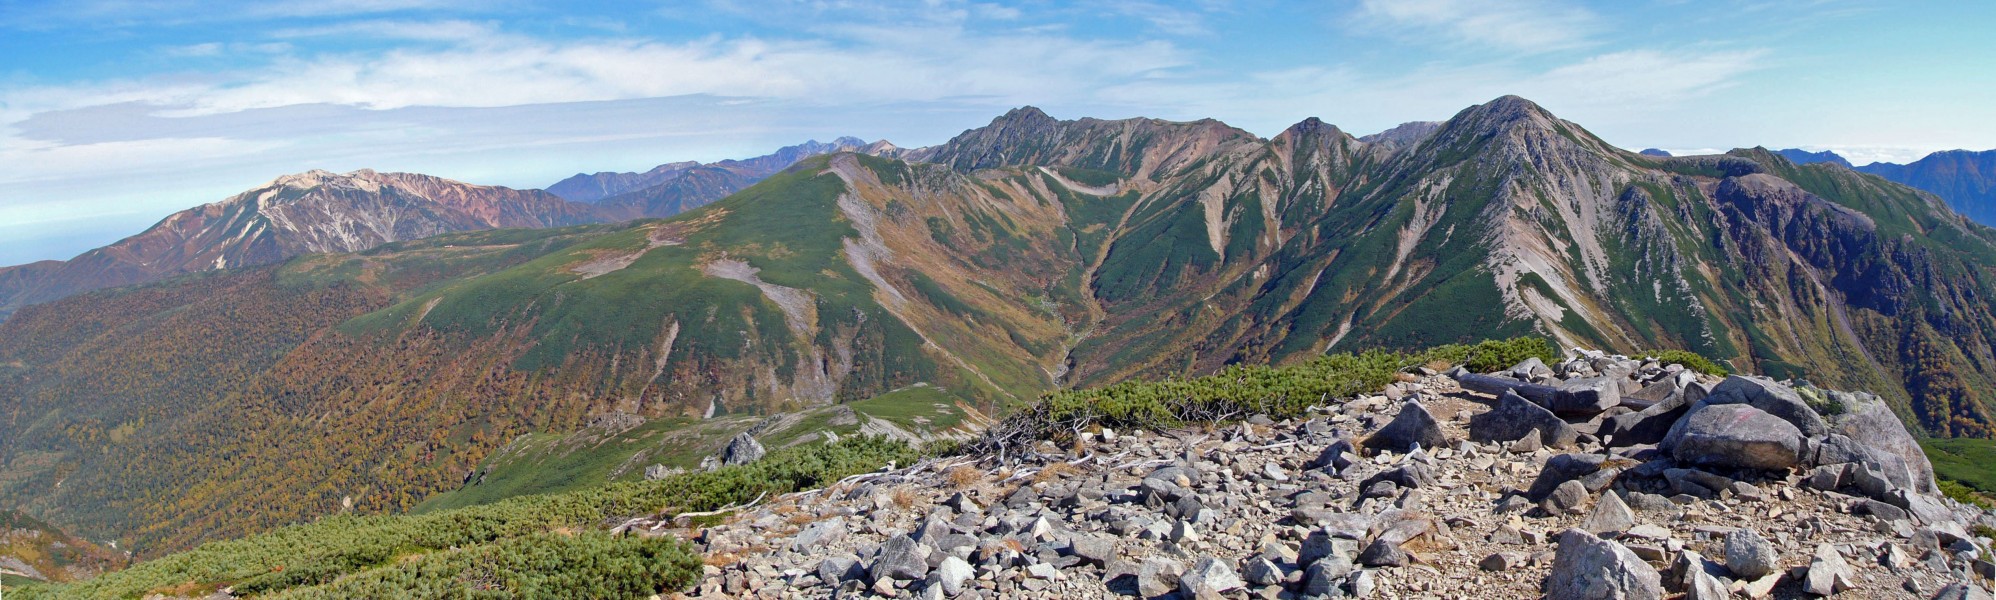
pixel 115 113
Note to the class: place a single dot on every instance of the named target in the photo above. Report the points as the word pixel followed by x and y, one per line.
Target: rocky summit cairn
pixel 1524 483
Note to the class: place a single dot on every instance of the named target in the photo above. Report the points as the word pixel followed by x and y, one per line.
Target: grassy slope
pixel 1970 461
pixel 544 463
pixel 539 546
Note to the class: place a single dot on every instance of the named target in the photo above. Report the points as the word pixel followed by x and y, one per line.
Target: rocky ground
pixel 1600 477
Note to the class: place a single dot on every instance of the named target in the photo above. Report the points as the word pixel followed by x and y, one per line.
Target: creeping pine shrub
pixel 591 564
pixel 1691 360
pixel 518 547
pixel 1236 392
pixel 1963 494
pixel 1494 355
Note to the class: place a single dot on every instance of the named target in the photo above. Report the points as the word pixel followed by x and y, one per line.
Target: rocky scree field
pixel 1594 477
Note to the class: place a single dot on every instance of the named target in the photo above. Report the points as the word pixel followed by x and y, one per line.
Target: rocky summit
pixel 1736 502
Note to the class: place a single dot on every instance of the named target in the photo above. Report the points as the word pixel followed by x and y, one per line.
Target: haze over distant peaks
pixel 592 187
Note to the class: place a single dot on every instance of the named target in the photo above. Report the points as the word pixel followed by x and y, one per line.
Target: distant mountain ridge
pixel 1966 179
pixel 323 212
pixel 594 187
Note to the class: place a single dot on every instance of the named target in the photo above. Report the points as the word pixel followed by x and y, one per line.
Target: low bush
pixel 1236 392
pixel 1691 360
pixel 1496 355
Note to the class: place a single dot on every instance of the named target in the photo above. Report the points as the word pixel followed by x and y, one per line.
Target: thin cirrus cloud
pixel 1518 26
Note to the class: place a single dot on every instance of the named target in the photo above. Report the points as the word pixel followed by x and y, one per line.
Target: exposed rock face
pixel 1234 513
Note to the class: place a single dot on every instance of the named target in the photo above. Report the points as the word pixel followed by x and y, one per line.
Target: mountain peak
pixel 1024 116
pixel 1508 111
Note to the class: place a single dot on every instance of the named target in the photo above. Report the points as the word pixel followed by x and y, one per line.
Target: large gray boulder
pixel 1880 440
pixel 1514 417
pixel 1587 396
pixel 1590 568
pixel 1413 426
pixel 1773 398
pixel 1736 436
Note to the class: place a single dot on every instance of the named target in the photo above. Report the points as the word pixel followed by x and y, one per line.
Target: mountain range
pixel 1024 256
pixel 1965 179
pixel 322 212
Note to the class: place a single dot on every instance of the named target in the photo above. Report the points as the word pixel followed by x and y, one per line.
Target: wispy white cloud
pixel 1513 25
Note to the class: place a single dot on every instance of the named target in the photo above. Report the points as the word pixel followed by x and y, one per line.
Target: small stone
pixel 1528 444
pixel 1503 561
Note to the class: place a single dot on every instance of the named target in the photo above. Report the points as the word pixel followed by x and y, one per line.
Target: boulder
pixel 1962 591
pixel 1513 417
pixel 1262 571
pixel 1703 586
pixel 1383 553
pixel 1734 436
pixel 1585 567
pixel 1565 499
pixel 839 569
pixel 1563 468
pixel 1610 515
pixel 952 573
pixel 1336 456
pixel 1646 426
pixel 742 450
pixel 1587 396
pixel 1208 579
pixel 1828 573
pixel 1503 561
pixel 1158 577
pixel 1883 441
pixel 1412 475
pixel 900 558
pixel 1770 397
pixel 1414 426
pixel 1750 556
